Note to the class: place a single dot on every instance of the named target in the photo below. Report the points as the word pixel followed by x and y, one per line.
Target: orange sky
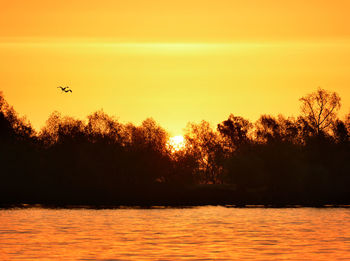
pixel 175 61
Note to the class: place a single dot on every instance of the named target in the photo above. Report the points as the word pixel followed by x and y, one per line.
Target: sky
pixel 174 61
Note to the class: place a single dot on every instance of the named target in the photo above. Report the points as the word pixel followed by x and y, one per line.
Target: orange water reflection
pixel 170 234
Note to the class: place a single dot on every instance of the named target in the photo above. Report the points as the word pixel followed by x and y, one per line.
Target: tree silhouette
pixel 235 129
pixel 204 143
pixel 320 109
pixel 277 160
pixel 104 128
pixel 340 132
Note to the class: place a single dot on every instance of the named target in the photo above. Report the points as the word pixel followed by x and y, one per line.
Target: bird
pixel 62 88
pixel 65 89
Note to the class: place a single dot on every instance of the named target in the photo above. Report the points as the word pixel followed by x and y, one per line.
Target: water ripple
pixel 203 233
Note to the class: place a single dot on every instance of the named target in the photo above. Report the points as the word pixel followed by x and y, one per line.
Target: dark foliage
pixel 276 161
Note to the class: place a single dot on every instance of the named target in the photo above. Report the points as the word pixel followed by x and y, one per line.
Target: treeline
pixel 276 160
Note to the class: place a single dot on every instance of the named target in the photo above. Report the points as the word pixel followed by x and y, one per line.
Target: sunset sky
pixel 175 61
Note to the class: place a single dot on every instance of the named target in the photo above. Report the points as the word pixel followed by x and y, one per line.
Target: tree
pixel 340 132
pixel 12 127
pixel 347 122
pixel 149 136
pixel 235 129
pixel 60 129
pixel 205 145
pixel 102 127
pixel 320 109
pixel 269 129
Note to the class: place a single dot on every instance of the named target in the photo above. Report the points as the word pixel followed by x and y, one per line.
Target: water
pixel 203 233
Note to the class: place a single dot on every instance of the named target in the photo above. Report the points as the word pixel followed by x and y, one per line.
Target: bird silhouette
pixel 65 89
pixel 62 88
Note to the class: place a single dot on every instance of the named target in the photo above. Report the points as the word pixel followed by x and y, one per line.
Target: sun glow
pixel 176 143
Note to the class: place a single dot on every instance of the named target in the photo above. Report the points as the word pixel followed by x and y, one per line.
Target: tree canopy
pixel 275 159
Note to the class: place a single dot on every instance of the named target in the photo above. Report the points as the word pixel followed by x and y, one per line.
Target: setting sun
pixel 176 143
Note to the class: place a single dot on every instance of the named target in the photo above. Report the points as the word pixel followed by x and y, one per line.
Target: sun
pixel 176 143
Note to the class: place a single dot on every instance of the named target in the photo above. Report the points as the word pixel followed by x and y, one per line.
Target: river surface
pixel 201 233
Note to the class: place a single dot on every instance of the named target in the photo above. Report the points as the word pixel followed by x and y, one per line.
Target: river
pixel 200 233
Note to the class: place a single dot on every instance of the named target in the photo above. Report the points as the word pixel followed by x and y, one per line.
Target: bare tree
pixel 320 109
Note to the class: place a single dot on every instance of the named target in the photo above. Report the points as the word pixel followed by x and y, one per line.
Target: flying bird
pixel 65 89
pixel 62 88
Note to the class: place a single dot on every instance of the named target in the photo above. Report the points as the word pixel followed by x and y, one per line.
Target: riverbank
pixel 172 196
